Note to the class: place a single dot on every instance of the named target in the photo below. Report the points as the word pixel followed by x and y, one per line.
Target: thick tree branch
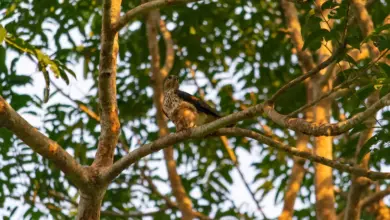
pixel 294 28
pixel 295 180
pixel 306 62
pixel 109 122
pixel 158 75
pixel 144 8
pixel 198 132
pixel 202 131
pixel 304 154
pixel 169 52
pixel 326 129
pixel 360 184
pixel 373 198
pixel 132 214
pixel 41 144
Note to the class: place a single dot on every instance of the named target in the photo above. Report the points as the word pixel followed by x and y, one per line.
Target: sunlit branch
pixel 327 129
pixel 144 8
pixel 110 126
pixel 170 53
pixel 132 214
pixel 356 170
pixel 375 197
pixel 41 144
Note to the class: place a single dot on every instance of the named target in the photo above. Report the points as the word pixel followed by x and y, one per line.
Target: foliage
pixel 239 51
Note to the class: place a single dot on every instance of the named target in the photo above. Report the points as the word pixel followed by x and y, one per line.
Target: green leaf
pixel 366 147
pixel 3 33
pixel 64 76
pixel 349 59
pixel 364 92
pixel 315 38
pixel 385 68
pixel 382 28
pixel 329 5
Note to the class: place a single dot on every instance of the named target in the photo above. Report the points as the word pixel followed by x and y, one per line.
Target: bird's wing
pixel 199 104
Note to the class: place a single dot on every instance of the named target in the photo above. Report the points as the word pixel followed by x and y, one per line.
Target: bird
pixel 183 109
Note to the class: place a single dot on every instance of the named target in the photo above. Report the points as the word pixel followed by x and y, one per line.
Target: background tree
pixel 306 82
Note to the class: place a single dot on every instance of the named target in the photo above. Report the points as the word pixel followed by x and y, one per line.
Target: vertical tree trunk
pixel 183 201
pixel 360 184
pixel 306 62
pixel 89 206
pixel 297 174
pixel 325 201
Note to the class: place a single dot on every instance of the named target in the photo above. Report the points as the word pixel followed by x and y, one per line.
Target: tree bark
pixel 89 206
pixel 323 180
pixel 360 184
pixel 306 62
pixel 158 75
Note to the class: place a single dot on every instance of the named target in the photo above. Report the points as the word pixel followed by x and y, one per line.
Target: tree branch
pixel 326 129
pixel 293 123
pixel 360 184
pixel 161 143
pixel 41 144
pixel 310 73
pixel 170 53
pixel 373 198
pixel 304 154
pixel 144 8
pixel 132 214
pixel 158 75
pixel 109 122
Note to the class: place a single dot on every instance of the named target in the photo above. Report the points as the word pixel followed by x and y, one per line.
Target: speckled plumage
pixel 183 109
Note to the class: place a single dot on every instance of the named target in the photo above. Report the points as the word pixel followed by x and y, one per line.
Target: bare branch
pixel 360 184
pixel 41 144
pixel 326 129
pixel 109 122
pixel 295 180
pixel 144 8
pixel 158 75
pixel 373 198
pixel 170 53
pixel 312 72
pixel 132 214
pixel 336 92
pixel 292 123
pixel 175 138
pixel 304 154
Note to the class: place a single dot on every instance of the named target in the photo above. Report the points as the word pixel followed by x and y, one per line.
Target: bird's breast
pixel 170 103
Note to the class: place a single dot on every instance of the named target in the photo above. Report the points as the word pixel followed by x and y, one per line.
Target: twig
pixel 308 74
pixel 375 197
pixel 144 8
pixel 356 170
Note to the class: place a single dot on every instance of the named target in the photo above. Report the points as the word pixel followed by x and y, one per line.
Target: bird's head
pixel 171 82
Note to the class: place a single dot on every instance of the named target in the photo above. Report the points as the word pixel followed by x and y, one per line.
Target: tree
pixel 306 82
